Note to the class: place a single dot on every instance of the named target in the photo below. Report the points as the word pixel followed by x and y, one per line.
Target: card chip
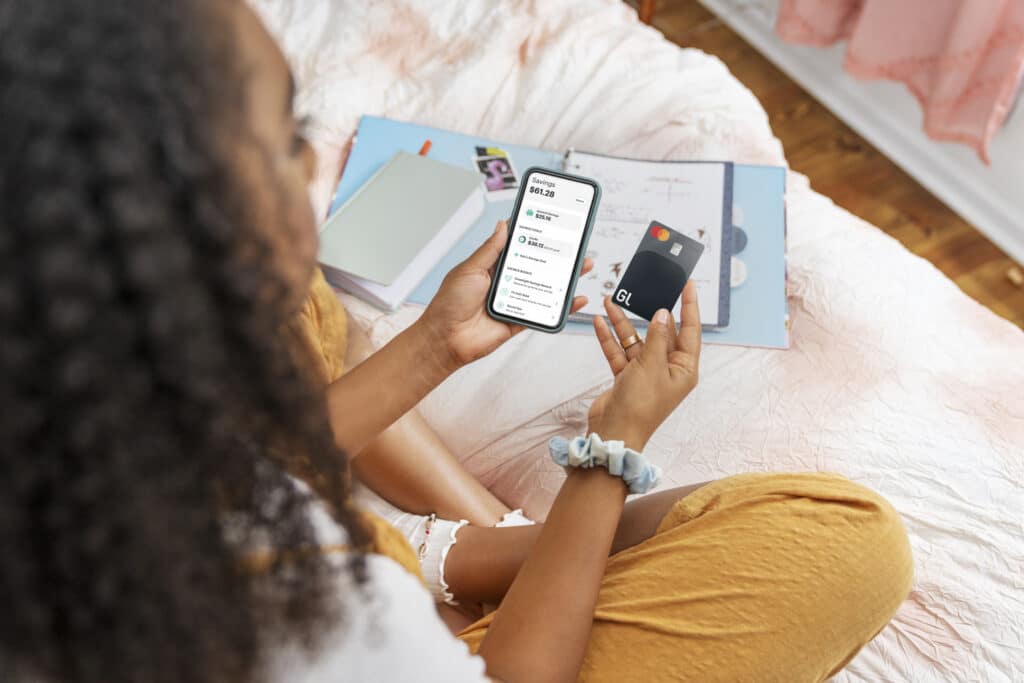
pixel 676 248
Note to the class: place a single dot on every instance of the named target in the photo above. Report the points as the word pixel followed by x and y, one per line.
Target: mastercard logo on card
pixel 659 233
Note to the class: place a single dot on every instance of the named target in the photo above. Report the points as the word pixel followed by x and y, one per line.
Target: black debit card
pixel 656 275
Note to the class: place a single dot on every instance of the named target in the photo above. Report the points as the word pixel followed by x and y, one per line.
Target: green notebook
pixel 385 239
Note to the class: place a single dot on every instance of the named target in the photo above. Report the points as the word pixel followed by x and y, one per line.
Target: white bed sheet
pixel 895 378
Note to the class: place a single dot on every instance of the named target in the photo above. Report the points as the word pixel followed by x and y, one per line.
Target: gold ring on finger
pixel 630 341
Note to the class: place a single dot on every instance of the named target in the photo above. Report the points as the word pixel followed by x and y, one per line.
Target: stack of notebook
pixel 394 230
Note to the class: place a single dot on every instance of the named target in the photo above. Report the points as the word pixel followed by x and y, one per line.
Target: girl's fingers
pixel 578 302
pixel 661 337
pixel 588 265
pixel 673 330
pixel 688 339
pixel 487 253
pixel 613 352
pixel 623 328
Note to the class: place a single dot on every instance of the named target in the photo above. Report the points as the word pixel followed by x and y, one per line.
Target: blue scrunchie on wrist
pixel 639 474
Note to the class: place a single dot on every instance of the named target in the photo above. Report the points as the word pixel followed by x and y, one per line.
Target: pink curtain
pixel 962 59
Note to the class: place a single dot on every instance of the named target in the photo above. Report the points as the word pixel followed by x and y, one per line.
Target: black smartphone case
pixel 658 271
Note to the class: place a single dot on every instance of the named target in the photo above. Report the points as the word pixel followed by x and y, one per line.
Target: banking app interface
pixel 542 250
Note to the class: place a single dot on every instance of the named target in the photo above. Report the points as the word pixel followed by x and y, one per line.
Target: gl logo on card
pixel 623 296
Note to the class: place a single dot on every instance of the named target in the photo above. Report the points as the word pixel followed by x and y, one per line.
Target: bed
pixel 895 378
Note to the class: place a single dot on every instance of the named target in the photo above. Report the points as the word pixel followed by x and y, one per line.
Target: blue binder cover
pixel 758 308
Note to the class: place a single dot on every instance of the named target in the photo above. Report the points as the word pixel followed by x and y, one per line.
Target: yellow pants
pixel 757 577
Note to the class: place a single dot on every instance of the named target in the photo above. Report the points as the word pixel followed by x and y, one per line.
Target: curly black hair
pixel 149 404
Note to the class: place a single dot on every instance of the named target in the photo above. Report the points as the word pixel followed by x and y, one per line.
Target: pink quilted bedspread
pixel 963 61
pixel 895 378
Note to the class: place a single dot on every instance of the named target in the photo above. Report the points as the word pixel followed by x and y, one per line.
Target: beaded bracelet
pixel 428 525
pixel 639 474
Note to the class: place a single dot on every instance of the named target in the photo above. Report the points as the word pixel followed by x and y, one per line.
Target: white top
pixel 390 631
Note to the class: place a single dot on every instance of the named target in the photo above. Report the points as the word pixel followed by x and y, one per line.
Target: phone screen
pixel 549 227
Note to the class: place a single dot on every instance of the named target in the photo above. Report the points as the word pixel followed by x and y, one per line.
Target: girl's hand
pixel 456 318
pixel 651 377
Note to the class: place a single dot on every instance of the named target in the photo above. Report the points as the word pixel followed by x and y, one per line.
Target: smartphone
pixel 536 275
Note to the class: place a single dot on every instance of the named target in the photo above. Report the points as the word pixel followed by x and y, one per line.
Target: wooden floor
pixel 843 166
